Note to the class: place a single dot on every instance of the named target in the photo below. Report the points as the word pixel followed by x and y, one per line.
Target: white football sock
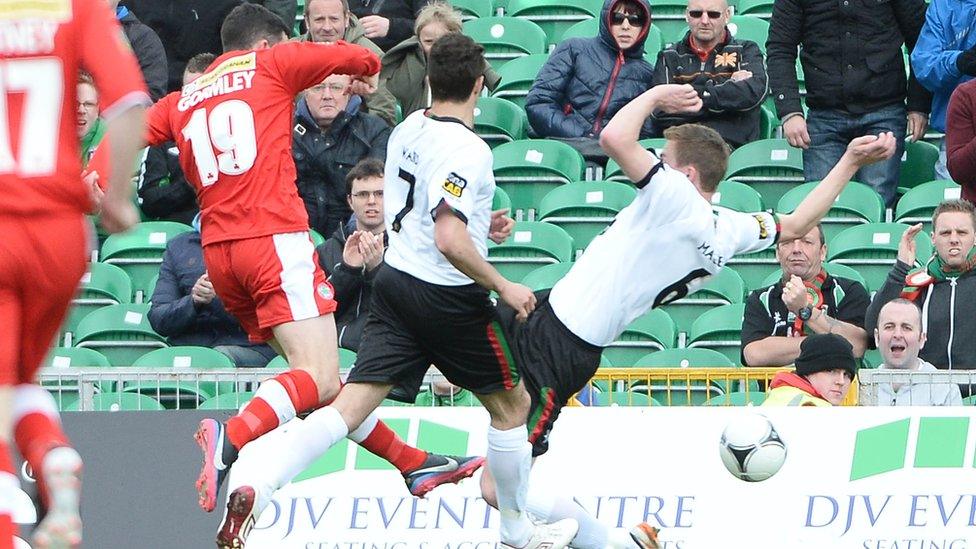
pixel 592 533
pixel 306 442
pixel 509 459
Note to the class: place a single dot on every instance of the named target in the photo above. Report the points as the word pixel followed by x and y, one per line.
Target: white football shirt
pixel 660 248
pixel 434 163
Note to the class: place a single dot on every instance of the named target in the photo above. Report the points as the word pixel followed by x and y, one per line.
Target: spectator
pixel 331 20
pixel 388 23
pixel 185 27
pixel 331 136
pixel 91 128
pixel 825 369
pixel 404 71
pixel 960 139
pixel 164 193
pixel 353 254
pixel 586 81
pixel 855 80
pixel 899 337
pixel 944 287
pixel 808 301
pixel 186 310
pixel 147 47
pixel 943 58
pixel 728 74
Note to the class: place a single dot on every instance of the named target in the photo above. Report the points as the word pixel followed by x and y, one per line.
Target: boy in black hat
pixel 824 372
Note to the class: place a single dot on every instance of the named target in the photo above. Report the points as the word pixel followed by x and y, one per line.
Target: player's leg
pixel 8 478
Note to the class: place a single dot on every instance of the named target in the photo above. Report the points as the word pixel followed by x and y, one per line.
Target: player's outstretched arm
pixel 860 152
pixel 452 239
pixel 619 138
pixel 125 139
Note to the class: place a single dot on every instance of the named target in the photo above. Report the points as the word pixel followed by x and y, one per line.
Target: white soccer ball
pixel 751 449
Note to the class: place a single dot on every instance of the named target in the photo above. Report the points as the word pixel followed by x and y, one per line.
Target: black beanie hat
pixel 824 352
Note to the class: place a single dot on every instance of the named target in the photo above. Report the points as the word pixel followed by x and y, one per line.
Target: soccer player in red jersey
pixel 43 45
pixel 232 126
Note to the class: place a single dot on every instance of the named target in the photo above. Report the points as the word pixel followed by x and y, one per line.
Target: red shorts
pixel 268 281
pixel 42 260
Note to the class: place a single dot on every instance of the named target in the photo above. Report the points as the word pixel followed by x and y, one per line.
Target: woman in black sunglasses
pixel 587 80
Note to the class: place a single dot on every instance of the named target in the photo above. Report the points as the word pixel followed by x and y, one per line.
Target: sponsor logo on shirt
pixel 763 229
pixel 56 10
pixel 234 74
pixel 455 184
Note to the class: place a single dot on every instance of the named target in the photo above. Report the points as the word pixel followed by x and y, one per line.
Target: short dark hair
pixel 364 169
pixel 701 147
pixel 249 23
pixel 454 65
pixel 954 205
pixel 199 62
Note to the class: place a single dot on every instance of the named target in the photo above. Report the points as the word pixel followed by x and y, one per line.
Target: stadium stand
pixel 528 169
pixel 532 243
pixel 585 208
pixel 506 38
pixel 857 204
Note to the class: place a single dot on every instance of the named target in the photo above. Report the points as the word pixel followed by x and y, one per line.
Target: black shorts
pixel 555 364
pixel 413 324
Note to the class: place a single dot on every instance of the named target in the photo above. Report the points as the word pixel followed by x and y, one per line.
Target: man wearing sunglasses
pixel 586 81
pixel 728 74
pixel 851 54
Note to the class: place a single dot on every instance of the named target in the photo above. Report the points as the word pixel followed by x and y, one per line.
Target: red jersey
pixel 43 44
pixel 232 126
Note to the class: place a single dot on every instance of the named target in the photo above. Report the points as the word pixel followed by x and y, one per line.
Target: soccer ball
pixel 751 449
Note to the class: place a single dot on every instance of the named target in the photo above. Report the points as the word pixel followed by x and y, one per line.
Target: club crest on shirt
pixel 324 290
pixel 455 185
pixel 763 229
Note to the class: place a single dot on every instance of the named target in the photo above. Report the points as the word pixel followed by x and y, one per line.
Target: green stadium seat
pixel 347 359
pixel 499 121
pixel 473 9
pixel 833 269
pixel 461 397
pixel 768 122
pixel 119 402
pixel 101 285
pixel 750 27
pixel 613 171
pixel 919 203
pixel 120 332
pixel 771 166
pixel 737 196
pixel 139 251
pixel 754 267
pixel 969 401
pixel 533 243
pixel 506 38
pixel 151 289
pixel 917 165
pixel 669 16
pixel 517 77
pixel 623 398
pixel 679 392
pixel 63 358
pixel 226 401
pixel 755 8
pixel 528 169
pixel 554 16
pixel 719 329
pixel 546 276
pixel 654 330
pixel 857 204
pixel 317 238
pixel 585 208
pixel 738 398
pixel 182 394
pixel 872 249
pixel 724 288
pixel 501 201
pixel 591 28
pixel 872 359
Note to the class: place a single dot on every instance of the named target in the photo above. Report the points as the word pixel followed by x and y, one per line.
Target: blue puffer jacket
pixel 949 29
pixel 587 80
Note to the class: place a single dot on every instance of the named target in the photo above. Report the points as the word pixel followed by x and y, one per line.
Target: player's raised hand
pixel 676 98
pixel 869 149
pixel 501 226
pixel 118 212
pixel 518 297
pixel 364 85
pixel 906 247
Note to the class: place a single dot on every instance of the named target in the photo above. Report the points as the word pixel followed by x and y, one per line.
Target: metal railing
pixel 909 388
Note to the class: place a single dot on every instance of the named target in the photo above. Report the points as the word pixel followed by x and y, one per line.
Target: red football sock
pixel 383 442
pixel 277 400
pixel 36 434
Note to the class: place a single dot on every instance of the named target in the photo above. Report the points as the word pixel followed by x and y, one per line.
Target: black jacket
pixel 164 193
pixel 947 317
pixel 322 160
pixel 353 287
pixel 586 81
pixel 851 54
pixel 401 13
pixel 729 107
pixel 173 314
pixel 149 51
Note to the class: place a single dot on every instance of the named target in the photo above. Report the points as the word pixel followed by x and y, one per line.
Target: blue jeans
pixel 830 132
pixel 252 356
